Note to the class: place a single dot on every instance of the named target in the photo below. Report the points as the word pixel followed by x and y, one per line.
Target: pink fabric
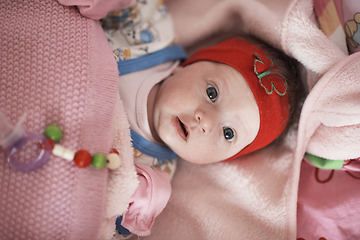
pixel 148 201
pixel 97 9
pixel 241 198
pixel 329 128
pixel 302 39
pixel 352 165
pixel 328 204
pixel 50 69
pixel 121 184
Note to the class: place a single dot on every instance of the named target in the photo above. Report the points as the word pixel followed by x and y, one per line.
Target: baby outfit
pixel 142 40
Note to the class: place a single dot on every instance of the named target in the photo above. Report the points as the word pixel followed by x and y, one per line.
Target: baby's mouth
pixel 183 131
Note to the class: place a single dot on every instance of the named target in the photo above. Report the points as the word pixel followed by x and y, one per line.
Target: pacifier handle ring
pixel 38 162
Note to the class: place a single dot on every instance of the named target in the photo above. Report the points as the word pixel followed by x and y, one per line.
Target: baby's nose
pixel 205 121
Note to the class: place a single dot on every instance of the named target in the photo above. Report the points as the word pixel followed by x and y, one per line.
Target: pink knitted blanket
pixel 57 67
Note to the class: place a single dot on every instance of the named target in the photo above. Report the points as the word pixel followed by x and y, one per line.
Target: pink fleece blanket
pixel 56 66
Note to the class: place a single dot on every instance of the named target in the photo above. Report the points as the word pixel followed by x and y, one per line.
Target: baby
pixel 226 101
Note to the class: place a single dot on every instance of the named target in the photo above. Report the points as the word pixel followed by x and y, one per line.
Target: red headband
pixel 269 88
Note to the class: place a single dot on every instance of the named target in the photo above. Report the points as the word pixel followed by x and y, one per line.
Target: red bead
pixel 47 145
pixel 113 150
pixel 82 158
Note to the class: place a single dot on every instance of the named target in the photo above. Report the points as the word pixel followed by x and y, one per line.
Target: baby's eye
pixel 228 134
pixel 211 92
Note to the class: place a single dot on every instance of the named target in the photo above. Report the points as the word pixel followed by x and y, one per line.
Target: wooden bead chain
pixel 48 145
pixel 82 158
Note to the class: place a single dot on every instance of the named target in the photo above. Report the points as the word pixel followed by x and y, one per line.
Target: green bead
pixel 99 160
pixel 53 132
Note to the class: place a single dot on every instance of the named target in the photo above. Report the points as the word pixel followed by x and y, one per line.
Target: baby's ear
pixel 176 69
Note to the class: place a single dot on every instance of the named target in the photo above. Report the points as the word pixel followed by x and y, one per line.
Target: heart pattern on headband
pixel 269 80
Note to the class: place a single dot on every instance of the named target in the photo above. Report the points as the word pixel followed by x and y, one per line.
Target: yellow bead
pixel 114 161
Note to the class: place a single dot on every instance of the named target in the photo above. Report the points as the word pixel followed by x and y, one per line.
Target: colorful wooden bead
pixel 54 132
pixel 99 160
pixel 63 152
pixel 82 158
pixel 114 161
pixel 47 145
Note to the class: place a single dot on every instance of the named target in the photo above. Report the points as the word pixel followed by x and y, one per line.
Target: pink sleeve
pixel 96 9
pixel 148 201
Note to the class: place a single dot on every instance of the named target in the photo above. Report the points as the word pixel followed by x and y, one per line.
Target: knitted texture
pixel 57 67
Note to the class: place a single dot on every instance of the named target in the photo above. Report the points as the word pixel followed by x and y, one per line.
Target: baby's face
pixel 205 112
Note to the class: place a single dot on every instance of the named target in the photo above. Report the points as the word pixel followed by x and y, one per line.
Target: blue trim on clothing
pixel 120 228
pixel 151 60
pixel 150 148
